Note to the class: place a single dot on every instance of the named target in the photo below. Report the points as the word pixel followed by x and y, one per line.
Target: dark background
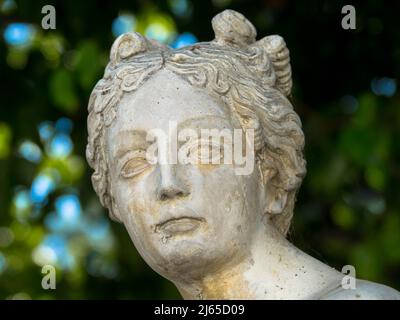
pixel 345 91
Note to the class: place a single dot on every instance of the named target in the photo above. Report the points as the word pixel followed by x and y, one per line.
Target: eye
pixel 135 166
pixel 206 152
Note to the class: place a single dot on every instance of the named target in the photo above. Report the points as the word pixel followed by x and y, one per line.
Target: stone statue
pixel 216 232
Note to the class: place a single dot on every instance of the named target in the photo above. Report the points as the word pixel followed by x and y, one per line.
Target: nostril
pixel 170 185
pixel 179 194
pixel 163 197
pixel 170 193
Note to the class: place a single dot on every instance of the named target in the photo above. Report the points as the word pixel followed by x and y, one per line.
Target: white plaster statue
pixel 214 232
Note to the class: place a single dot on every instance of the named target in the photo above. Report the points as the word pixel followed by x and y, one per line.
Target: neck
pixel 273 269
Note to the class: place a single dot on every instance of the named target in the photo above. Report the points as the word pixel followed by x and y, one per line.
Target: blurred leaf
pixel 366 259
pixel 366 112
pixel 51 47
pixel 89 64
pixel 356 144
pixel 343 216
pixel 62 91
pixel 70 169
pixel 5 140
pixel 390 238
pixel 376 177
pixel 17 58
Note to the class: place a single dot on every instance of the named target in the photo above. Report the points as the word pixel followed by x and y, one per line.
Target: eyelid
pixel 200 143
pixel 132 153
pixel 205 143
pixel 130 156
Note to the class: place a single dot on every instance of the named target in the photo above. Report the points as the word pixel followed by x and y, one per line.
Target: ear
pixel 276 201
pixel 114 212
pixel 275 197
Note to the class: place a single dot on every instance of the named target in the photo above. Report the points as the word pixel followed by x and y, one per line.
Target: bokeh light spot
pixel 181 8
pixel 43 255
pixel 349 104
pixel 7 6
pixel 46 130
pixel 68 209
pixel 61 146
pixel 64 125
pixel 19 34
pixel 6 237
pixel 42 185
pixel 3 263
pixel 30 151
pixel 123 23
pixel 184 39
pixel 22 200
pixel 384 86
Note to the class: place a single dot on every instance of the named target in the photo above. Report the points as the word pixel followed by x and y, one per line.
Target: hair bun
pixel 127 45
pixel 232 28
pixel 278 52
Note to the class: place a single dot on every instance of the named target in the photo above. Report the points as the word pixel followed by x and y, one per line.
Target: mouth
pixel 179 225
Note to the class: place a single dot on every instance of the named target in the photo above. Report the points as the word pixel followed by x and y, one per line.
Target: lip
pixel 179 225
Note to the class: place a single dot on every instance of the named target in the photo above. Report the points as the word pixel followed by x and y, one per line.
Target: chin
pixel 181 250
pixel 187 256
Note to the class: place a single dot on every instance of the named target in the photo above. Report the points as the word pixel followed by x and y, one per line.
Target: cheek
pixel 137 215
pixel 133 207
pixel 231 225
pixel 224 197
pixel 236 200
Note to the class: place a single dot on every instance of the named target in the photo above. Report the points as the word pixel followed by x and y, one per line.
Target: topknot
pixel 232 28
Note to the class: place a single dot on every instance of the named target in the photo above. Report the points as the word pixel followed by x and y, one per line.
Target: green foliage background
pixel 348 209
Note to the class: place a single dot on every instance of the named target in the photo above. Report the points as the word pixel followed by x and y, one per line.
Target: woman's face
pixel 182 218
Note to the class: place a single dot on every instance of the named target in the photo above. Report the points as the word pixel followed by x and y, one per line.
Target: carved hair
pixel 252 77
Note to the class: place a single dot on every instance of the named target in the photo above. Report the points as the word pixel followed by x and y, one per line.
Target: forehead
pixel 163 98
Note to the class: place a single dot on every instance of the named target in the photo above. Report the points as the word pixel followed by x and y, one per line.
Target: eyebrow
pixel 202 118
pixel 136 138
pixel 132 139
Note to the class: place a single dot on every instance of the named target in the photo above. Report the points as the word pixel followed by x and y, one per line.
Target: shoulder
pixel 365 290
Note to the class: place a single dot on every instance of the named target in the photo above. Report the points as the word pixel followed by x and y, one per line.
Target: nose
pixel 170 187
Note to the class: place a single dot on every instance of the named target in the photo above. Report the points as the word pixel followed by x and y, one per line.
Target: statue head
pixel 196 216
